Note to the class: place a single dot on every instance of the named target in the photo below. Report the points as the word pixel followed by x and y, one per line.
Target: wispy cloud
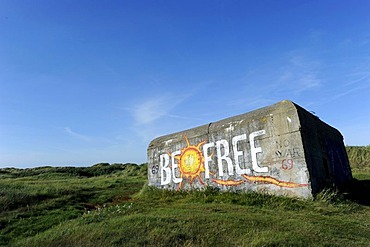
pixel 358 76
pixel 154 108
pixel 300 74
pixel 76 135
pixel 185 117
pixel 306 82
pixel 357 83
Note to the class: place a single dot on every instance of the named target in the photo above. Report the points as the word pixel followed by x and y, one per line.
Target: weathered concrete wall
pixel 263 150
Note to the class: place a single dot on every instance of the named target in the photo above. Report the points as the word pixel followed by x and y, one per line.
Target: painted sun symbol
pixel 191 162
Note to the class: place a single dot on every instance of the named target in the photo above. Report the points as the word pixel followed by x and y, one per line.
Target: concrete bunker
pixel 280 149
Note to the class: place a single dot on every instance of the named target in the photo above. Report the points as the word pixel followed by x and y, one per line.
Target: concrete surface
pixel 281 149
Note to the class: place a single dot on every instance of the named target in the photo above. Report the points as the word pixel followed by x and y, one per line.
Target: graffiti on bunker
pixel 208 159
pixel 281 149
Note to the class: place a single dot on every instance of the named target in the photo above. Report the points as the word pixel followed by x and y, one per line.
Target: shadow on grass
pixel 358 191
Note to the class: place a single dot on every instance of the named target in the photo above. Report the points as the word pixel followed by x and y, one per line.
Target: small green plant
pixel 329 195
pixel 101 213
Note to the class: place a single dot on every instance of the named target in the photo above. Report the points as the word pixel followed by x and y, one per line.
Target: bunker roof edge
pixel 302 111
pixel 284 104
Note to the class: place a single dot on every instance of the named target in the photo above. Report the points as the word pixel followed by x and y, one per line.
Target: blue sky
pixel 83 82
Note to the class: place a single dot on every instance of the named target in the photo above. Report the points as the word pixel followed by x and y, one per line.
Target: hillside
pixel 359 156
pixel 110 205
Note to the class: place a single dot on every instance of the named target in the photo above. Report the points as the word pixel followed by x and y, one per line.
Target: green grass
pixel 53 208
pixel 359 156
pixel 33 202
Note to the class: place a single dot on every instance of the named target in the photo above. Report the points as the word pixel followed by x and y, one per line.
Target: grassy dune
pixel 110 205
pixel 359 157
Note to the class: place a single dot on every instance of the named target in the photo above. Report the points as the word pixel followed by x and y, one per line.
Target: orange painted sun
pixel 191 162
